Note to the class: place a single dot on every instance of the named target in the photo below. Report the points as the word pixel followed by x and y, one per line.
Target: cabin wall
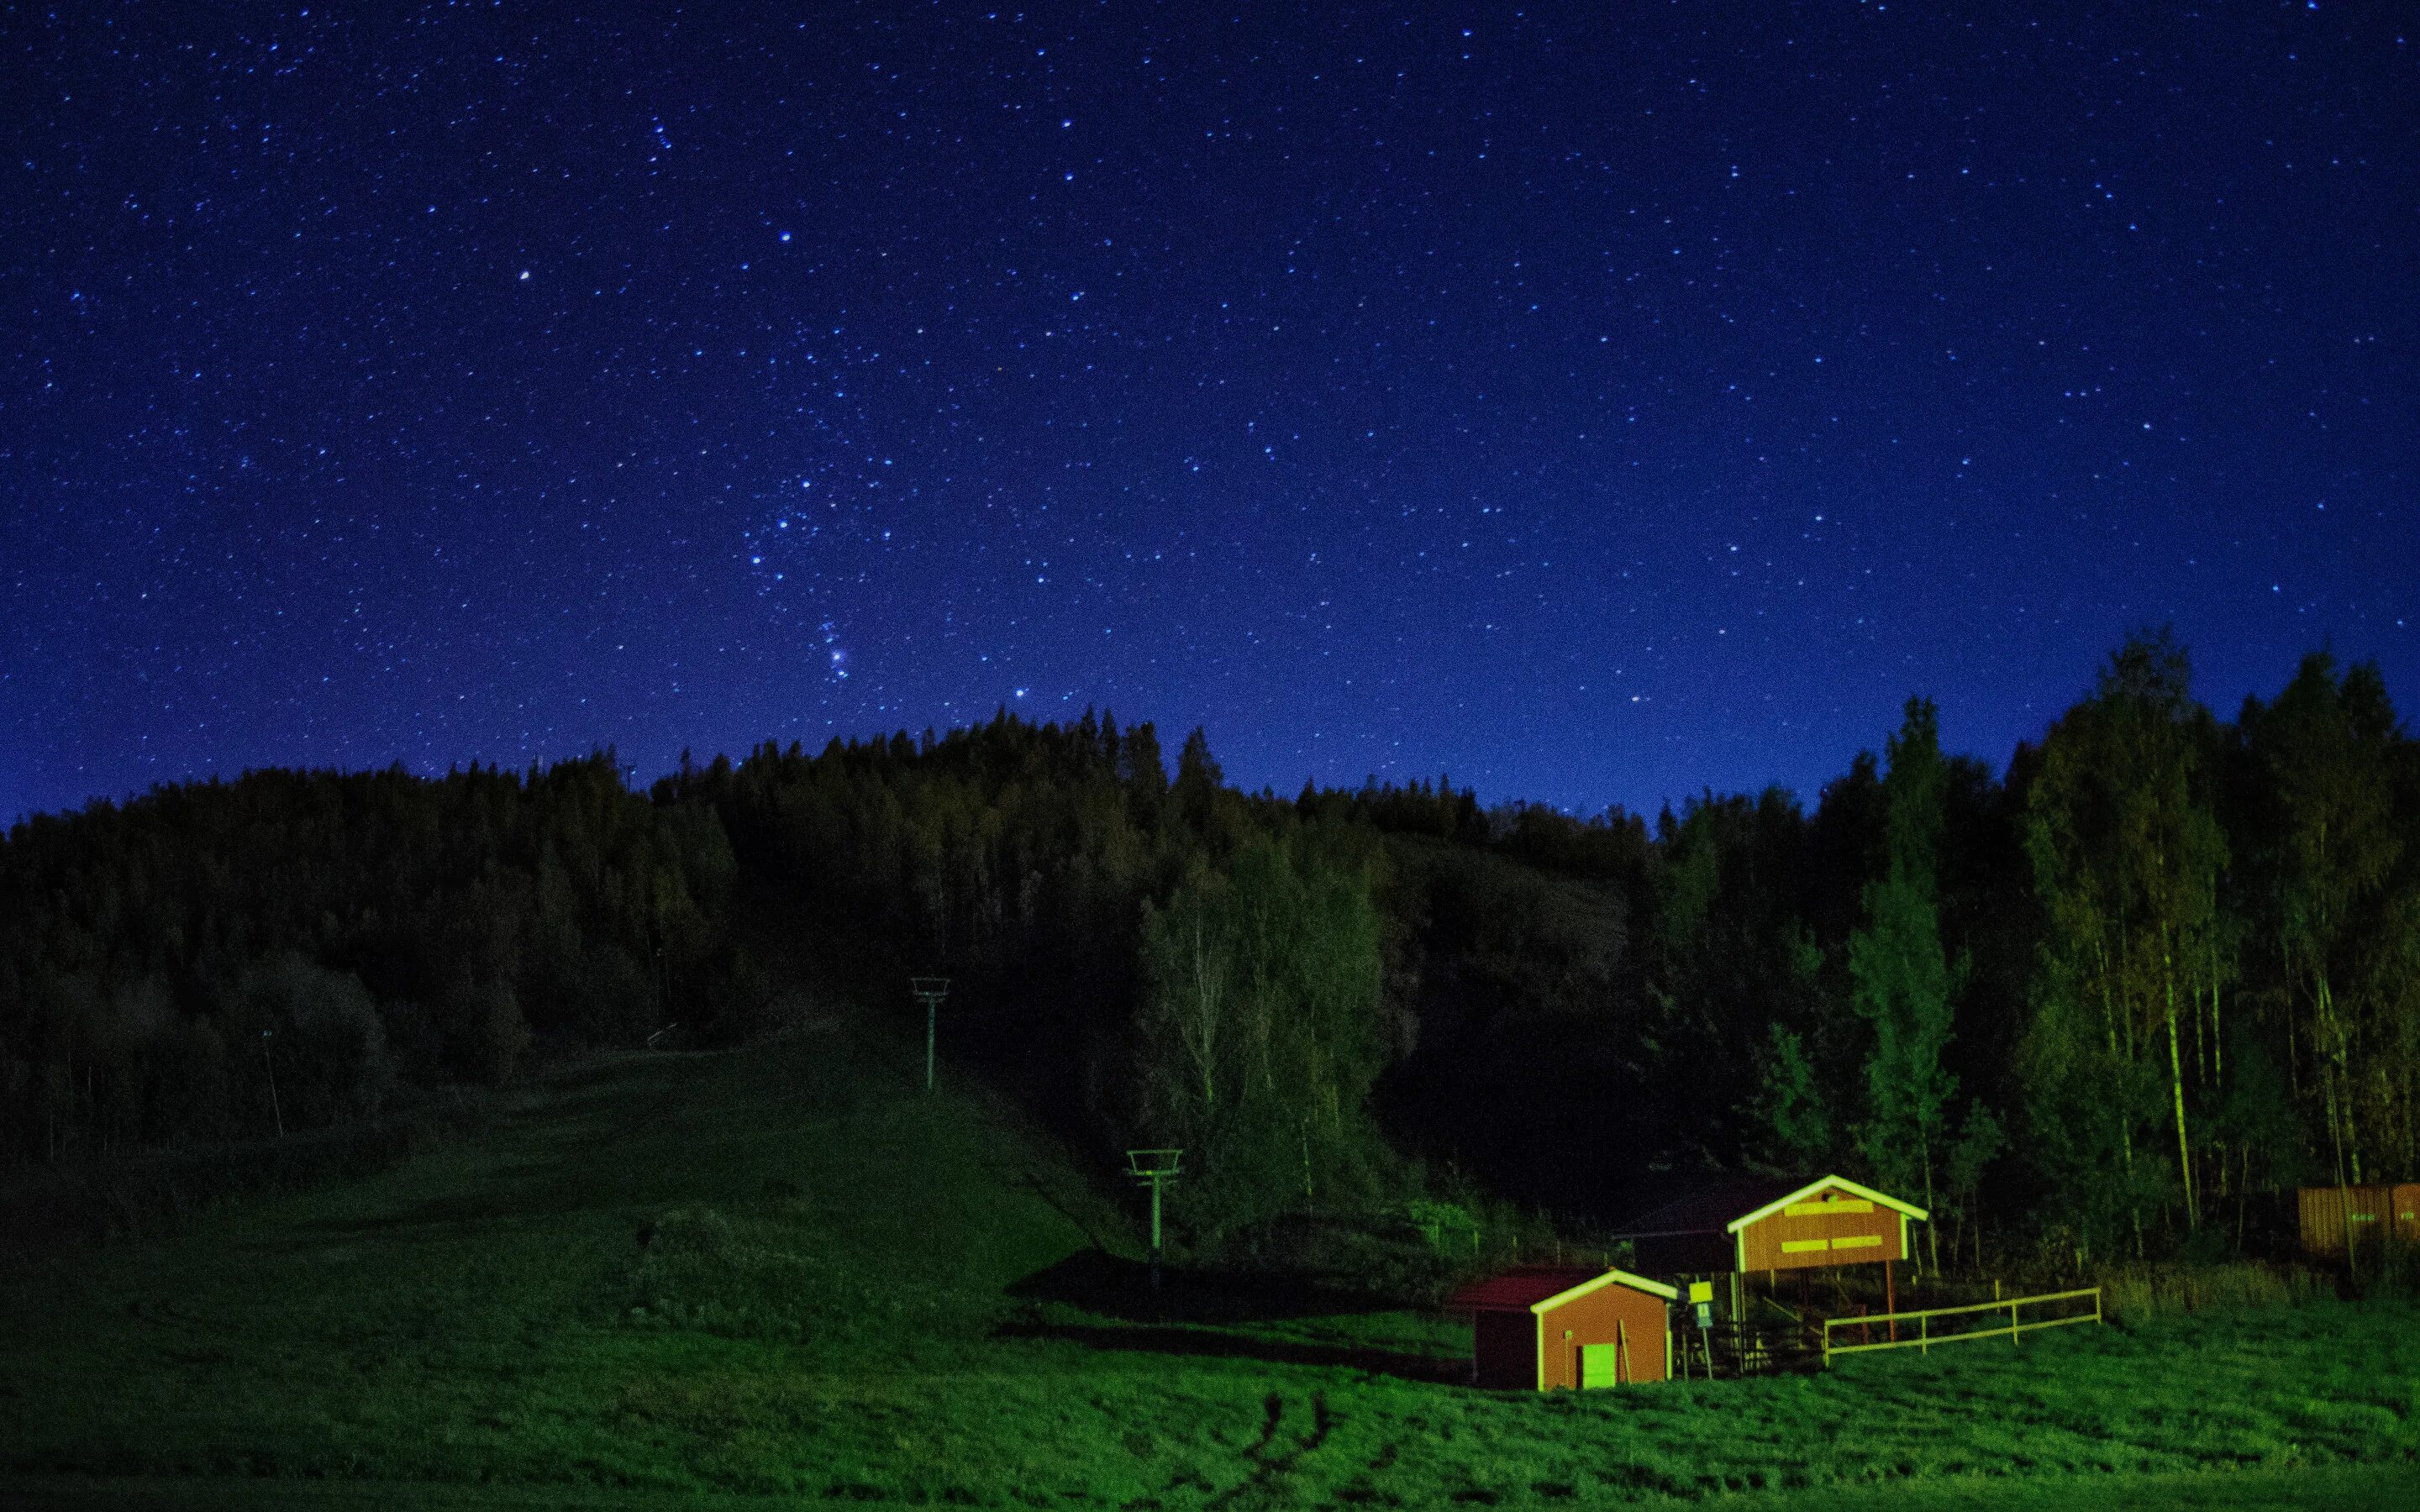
pixel 1831 1228
pixel 1604 1317
pixel 1504 1348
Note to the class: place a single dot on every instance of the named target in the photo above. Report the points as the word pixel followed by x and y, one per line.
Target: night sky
pixel 1595 403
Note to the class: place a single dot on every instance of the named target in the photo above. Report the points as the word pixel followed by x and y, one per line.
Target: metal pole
pixel 1154 1168
pixel 271 1067
pixel 1154 1233
pixel 929 990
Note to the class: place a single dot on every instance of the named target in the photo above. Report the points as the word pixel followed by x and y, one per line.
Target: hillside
pixel 850 1289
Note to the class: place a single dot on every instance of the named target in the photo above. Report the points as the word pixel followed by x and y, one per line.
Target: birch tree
pixel 2325 752
pixel 1258 1025
pixel 2126 853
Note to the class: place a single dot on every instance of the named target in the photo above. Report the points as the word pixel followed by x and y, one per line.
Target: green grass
pixel 2330 1488
pixel 854 1291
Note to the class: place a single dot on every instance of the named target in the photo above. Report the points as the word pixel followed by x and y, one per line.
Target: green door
pixel 1600 1366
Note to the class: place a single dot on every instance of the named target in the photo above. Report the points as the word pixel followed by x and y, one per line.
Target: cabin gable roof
pixel 1777 1204
pixel 1614 1277
pixel 1725 1205
pixel 1541 1288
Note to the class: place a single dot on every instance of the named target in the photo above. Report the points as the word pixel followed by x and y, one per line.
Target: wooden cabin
pixel 1538 1327
pixel 2392 1213
pixel 1742 1224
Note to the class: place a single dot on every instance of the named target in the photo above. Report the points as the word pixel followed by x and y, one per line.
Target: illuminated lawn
pixel 855 1291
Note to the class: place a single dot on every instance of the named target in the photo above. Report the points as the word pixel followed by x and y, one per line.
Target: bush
pixel 144 1195
pixel 688 1231
pixel 1370 1256
pixel 2391 1270
pixel 2135 1294
pixel 486 1024
pixel 325 1043
pixel 697 1270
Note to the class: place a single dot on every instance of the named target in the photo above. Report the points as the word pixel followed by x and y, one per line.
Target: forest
pixel 2083 1008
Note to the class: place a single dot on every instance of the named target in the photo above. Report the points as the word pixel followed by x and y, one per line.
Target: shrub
pixel 326 1044
pixel 2135 1294
pixel 688 1231
pixel 143 1195
pixel 489 1032
pixel 696 1270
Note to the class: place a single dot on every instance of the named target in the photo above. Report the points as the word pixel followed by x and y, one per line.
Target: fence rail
pixel 1925 1338
pixel 1737 1350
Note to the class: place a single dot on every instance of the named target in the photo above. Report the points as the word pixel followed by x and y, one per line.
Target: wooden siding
pixel 1504 1348
pixel 1825 1227
pixel 1606 1315
pixel 2376 1210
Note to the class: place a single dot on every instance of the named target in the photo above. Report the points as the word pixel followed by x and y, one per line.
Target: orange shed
pixel 2375 1209
pixel 1773 1224
pixel 1538 1327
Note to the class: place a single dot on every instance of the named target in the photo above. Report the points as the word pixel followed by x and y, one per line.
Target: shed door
pixel 1600 1366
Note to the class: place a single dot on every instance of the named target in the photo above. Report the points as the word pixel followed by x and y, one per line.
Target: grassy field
pixel 848 1290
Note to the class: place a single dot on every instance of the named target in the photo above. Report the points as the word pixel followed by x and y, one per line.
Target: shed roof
pixel 1527 1288
pixel 1725 1205
pixel 1707 1206
pixel 1513 1290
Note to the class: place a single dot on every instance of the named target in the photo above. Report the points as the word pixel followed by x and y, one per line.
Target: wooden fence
pixel 1733 1350
pixel 1925 1337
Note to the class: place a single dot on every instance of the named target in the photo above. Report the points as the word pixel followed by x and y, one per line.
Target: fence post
pixel 1924 1334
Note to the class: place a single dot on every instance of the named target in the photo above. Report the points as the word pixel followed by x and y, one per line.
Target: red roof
pixel 1515 1290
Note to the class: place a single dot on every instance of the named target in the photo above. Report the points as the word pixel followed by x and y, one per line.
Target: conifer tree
pixel 1902 979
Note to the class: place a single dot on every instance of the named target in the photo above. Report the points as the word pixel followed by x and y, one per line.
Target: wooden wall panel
pixel 1504 1345
pixel 1603 1317
pixel 2377 1210
pixel 1846 1230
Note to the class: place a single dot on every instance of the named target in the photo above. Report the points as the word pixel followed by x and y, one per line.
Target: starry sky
pixel 1596 402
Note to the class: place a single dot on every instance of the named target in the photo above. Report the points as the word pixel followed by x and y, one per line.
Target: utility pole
pixel 1154 1168
pixel 929 990
pixel 270 1066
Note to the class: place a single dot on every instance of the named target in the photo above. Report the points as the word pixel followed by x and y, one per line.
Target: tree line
pixel 217 961
pixel 2080 1008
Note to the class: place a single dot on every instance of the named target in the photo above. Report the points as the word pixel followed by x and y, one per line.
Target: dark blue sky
pixel 1598 403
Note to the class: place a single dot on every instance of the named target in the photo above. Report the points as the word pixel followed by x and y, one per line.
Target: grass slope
pixel 855 1291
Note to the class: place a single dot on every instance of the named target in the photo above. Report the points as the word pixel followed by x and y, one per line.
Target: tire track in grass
pixel 1271 1465
pixel 1362 1489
